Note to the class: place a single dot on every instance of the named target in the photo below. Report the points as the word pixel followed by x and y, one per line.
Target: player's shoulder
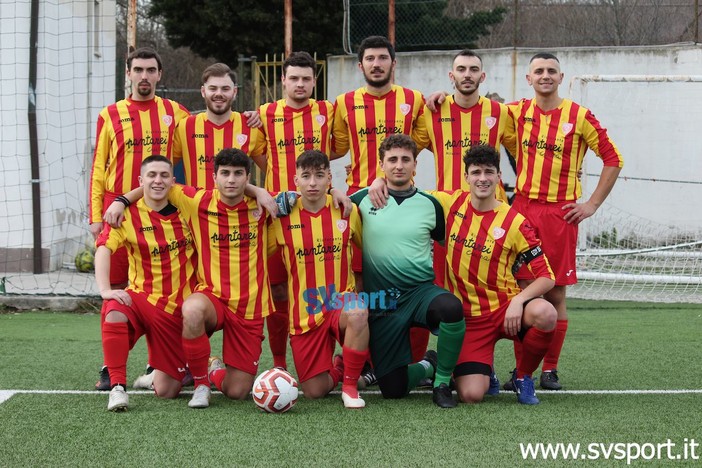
pixel 359 196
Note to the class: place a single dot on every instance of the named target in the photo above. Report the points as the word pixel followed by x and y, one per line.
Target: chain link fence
pixel 455 24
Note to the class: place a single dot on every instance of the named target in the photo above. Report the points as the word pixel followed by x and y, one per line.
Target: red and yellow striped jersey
pixel 484 250
pixel 452 130
pixel 362 120
pixel 161 253
pixel 551 147
pixel 317 255
pixel 127 132
pixel 198 140
pixel 232 249
pixel 289 132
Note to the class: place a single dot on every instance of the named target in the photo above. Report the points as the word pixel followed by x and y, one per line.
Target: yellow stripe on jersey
pixel 161 254
pixel 232 243
pixel 289 132
pixel 127 132
pixel 362 120
pixel 317 255
pixel 198 140
pixel 551 148
pixel 452 130
pixel 481 250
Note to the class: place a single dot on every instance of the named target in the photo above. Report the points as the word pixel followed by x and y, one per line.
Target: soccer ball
pixel 85 261
pixel 275 391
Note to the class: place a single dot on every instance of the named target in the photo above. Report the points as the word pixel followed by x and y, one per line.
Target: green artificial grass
pixel 610 346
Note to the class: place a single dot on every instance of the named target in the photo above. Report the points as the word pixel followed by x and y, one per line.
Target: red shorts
pixel 313 351
pixel 277 274
pixel 439 255
pixel 559 239
pixel 163 333
pixel 482 332
pixel 119 264
pixel 242 338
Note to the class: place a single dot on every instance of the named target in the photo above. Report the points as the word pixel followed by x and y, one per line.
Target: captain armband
pixel 526 257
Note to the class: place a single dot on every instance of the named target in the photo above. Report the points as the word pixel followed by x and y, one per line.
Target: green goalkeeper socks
pixel 448 347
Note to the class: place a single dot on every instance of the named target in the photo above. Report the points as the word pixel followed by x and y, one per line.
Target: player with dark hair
pixel 162 266
pixel 291 125
pixel 397 263
pixel 553 135
pixel 464 119
pixel 487 241
pixel 233 293
pixel 325 307
pixel 364 117
pixel 200 137
pixel 127 132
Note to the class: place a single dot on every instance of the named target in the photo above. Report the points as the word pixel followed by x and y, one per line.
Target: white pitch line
pixel 7 394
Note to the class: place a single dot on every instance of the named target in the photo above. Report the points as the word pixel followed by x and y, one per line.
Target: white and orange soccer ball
pixel 275 391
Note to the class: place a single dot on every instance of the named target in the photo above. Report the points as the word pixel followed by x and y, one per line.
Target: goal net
pixel 645 242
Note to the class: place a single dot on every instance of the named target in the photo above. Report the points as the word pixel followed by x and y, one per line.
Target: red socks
pixel 419 340
pixel 554 351
pixel 115 349
pixel 197 354
pixel 278 329
pixel 353 365
pixel 533 347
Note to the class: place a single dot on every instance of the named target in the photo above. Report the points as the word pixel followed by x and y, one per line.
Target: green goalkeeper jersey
pixel 397 240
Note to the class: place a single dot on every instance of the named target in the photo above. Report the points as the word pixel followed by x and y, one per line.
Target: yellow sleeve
pixel 340 128
pixel 97 176
pixel 420 134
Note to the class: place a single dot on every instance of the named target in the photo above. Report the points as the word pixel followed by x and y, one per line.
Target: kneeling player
pixel 325 309
pixel 162 266
pixel 398 275
pixel 487 242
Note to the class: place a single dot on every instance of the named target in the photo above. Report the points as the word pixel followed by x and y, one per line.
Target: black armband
pixel 526 257
pixel 124 200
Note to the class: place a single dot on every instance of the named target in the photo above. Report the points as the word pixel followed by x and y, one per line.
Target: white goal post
pixel 645 242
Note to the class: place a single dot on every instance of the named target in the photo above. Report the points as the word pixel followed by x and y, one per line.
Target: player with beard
pixel 364 118
pixel 129 131
pixel 463 120
pixel 200 137
pixel 291 125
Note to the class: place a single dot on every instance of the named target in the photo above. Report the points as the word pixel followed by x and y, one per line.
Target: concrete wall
pixel 666 134
pixel 75 79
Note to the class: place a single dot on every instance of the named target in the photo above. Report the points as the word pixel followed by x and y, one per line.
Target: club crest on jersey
pixel 320 119
pixel 567 128
pixel 167 120
pixel 342 224
pixel 490 122
pixel 405 109
pixel 241 139
pixel 498 232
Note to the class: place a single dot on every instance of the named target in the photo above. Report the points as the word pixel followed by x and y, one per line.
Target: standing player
pixel 291 125
pixel 127 132
pixel 162 266
pixel 200 137
pixel 553 135
pixel 397 262
pixel 316 242
pixel 463 120
pixel 487 241
pixel 365 117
